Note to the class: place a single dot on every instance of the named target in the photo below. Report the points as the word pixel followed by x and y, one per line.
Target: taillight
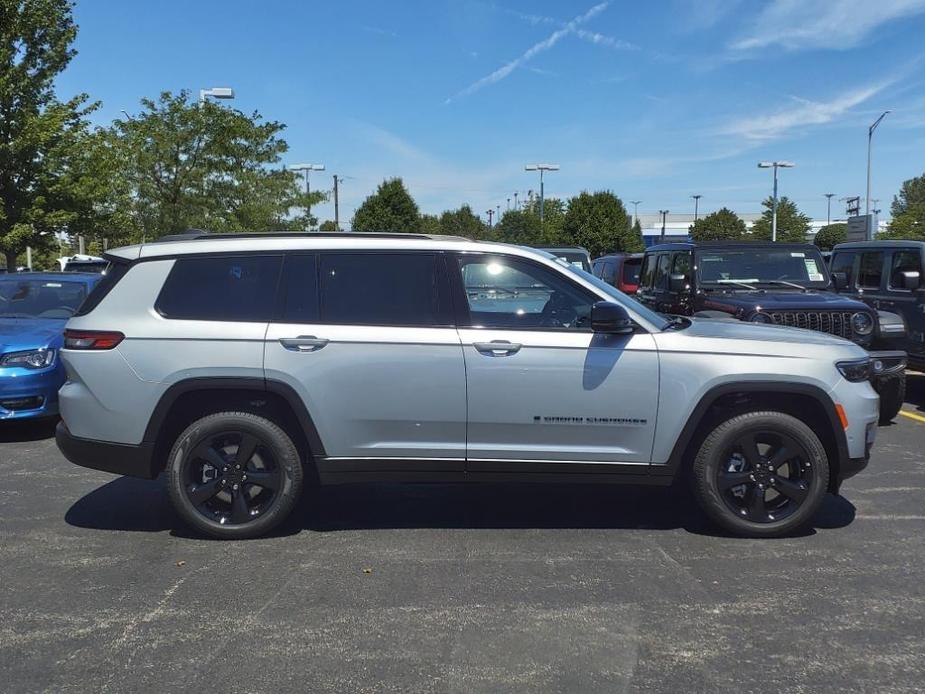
pixel 92 339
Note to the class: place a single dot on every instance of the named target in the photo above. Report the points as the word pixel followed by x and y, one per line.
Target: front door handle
pixel 303 343
pixel 497 348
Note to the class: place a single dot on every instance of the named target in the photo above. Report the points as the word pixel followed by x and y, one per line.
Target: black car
pixel 776 283
pixel 888 277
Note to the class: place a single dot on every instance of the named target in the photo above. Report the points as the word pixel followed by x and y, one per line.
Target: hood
pixel 741 330
pixel 784 301
pixel 30 333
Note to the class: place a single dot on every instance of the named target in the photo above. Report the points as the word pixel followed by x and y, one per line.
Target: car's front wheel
pixel 234 475
pixel 761 474
pixel 892 392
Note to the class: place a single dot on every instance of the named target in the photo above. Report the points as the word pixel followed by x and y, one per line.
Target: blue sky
pixel 655 101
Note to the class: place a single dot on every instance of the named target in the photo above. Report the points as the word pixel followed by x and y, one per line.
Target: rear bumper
pixel 118 458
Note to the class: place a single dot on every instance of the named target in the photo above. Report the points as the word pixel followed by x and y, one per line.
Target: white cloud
pixel 805 113
pixel 532 52
pixel 602 40
pixel 836 24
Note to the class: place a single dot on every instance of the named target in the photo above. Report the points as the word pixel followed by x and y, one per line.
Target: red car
pixel 620 270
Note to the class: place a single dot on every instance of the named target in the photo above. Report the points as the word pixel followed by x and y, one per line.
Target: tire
pixel 761 474
pixel 213 495
pixel 892 392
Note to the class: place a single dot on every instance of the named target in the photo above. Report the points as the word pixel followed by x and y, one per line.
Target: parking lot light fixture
pixel 775 165
pixel 696 205
pixel 870 138
pixel 215 93
pixel 541 168
pixel 828 213
pixel 664 214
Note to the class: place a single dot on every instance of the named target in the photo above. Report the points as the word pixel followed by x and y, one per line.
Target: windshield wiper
pixel 747 285
pixel 676 322
pixel 788 284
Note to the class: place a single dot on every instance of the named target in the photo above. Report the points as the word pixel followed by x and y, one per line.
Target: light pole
pixel 870 138
pixel 489 212
pixel 541 168
pixel 664 214
pixel 215 93
pixel 696 205
pixel 515 200
pixel 306 169
pixel 828 211
pixel 635 208
pixel 774 165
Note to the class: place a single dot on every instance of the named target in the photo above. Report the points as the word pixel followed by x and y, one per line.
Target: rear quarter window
pixel 223 288
pixel 109 279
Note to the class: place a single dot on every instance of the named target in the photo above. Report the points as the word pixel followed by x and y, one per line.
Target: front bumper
pixel 886 363
pixel 118 458
pixel 28 394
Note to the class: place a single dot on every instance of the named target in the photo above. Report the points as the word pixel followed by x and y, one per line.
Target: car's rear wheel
pixel 234 475
pixel 761 474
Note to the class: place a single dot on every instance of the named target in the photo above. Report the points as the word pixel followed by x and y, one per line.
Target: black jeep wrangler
pixel 777 283
pixel 887 276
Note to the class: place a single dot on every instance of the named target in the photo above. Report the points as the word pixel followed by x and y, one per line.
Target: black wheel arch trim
pixel 189 385
pixel 711 396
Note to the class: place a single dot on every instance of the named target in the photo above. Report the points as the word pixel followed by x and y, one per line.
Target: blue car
pixel 34 306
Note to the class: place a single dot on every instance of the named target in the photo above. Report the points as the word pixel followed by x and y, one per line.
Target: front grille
pixel 17 404
pixel 833 322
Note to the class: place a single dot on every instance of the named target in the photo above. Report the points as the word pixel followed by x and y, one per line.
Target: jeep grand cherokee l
pixel 244 365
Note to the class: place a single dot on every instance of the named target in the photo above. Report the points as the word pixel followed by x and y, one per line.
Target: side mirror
pixel 911 279
pixel 840 280
pixel 610 317
pixel 677 282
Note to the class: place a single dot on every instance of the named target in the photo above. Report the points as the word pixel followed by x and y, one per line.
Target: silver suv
pixel 246 365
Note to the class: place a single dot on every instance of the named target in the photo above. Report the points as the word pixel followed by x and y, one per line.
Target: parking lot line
pixel 912 415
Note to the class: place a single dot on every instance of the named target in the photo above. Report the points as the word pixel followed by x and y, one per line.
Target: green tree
pixel 430 224
pixel 37 130
pixel 792 224
pixel 637 229
pixel 911 193
pixel 207 166
pixel 908 226
pixel 598 221
pixel 328 225
pixel 551 233
pixel 830 236
pixel 390 208
pixel 518 226
pixel 722 225
pixel 462 222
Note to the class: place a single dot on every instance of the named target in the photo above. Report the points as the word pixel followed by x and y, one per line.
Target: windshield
pixel 21 298
pixel 656 319
pixel 631 268
pixel 761 265
pixel 573 258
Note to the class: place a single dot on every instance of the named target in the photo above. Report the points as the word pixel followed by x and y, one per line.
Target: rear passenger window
pixel 381 289
pixel 904 261
pixel 843 262
pixel 871 270
pixel 647 273
pixel 229 288
pixel 300 289
pixel 609 271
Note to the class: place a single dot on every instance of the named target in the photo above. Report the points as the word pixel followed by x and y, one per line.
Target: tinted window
pixel 109 279
pixel 609 271
pixel 661 271
pixel 647 273
pixel 631 270
pixel 509 293
pixel 300 289
pixel 596 268
pixel 871 270
pixel 380 289
pixel 843 262
pixel 681 265
pixel 229 288
pixel 40 298
pixel 904 261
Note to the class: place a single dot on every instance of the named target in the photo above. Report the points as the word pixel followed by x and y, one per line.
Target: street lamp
pixel 215 93
pixel 828 212
pixel 775 165
pixel 664 214
pixel 306 169
pixel 541 168
pixel 870 137
pixel 696 204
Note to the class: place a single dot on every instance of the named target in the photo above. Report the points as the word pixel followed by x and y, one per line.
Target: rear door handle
pixel 303 343
pixel 497 348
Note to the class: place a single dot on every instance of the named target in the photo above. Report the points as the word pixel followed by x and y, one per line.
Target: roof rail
pixel 200 235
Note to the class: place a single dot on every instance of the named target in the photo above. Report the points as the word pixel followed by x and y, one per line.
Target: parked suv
pixel 244 365
pixel 784 284
pixel 887 276
pixel 619 269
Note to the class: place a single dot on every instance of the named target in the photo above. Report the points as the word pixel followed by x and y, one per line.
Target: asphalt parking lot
pixel 506 588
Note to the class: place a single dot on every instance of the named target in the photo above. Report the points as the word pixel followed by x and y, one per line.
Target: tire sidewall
pixel 271 436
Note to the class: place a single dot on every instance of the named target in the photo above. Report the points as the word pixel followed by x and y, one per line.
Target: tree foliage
pixel 792 224
pixel 37 131
pixel 327 225
pixel 830 236
pixel 911 193
pixel 598 221
pixel 390 208
pixel 520 227
pixel 462 222
pixel 206 166
pixel 430 224
pixel 722 225
pixel 908 226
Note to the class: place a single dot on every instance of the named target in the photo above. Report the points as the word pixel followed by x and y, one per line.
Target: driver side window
pixel 508 293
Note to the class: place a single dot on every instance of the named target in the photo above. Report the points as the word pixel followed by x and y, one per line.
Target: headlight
pixel 862 323
pixel 760 318
pixel 856 370
pixel 29 359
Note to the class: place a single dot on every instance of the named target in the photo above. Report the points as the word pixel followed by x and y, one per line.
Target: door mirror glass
pixel 840 280
pixel 911 279
pixel 677 282
pixel 610 317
